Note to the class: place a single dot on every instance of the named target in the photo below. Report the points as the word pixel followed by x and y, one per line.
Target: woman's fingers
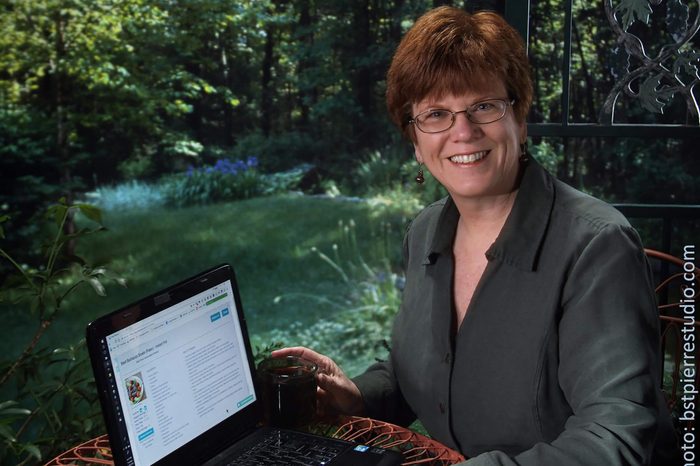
pixel 301 352
pixel 339 393
pixel 295 351
pixel 336 392
pixel 325 364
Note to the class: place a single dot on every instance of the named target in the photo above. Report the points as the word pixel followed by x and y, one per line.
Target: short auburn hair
pixel 450 51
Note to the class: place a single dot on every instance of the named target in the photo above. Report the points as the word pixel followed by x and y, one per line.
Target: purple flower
pixel 224 166
pixel 239 165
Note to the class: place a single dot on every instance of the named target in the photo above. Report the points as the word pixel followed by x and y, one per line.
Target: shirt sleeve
pixel 609 360
pixel 381 395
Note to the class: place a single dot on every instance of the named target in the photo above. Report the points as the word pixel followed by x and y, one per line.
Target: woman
pixel 528 331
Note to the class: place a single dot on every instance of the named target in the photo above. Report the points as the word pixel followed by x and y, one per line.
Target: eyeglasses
pixel 437 120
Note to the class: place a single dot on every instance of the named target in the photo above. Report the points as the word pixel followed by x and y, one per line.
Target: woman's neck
pixel 484 216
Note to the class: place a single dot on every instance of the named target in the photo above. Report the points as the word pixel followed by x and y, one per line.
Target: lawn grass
pixel 267 240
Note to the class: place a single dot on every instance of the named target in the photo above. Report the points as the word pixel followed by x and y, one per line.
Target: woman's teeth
pixel 468 158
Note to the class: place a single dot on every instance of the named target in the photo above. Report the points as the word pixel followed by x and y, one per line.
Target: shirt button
pixel 447 358
pixel 442 408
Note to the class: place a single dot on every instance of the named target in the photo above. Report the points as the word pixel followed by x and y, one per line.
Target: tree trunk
pixel 308 94
pixel 395 31
pixel 266 91
pixel 227 75
pixel 362 82
pixel 590 85
pixel 66 178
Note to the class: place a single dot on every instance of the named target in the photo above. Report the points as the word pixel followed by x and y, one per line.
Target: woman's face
pixel 472 160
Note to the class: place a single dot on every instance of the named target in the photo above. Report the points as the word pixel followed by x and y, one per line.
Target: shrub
pixel 226 180
pixel 47 398
pixel 381 171
pixel 358 332
pixel 280 151
pixel 284 181
pixel 548 154
pixel 130 195
pixel 388 181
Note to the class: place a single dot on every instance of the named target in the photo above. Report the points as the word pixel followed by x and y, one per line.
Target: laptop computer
pixel 176 381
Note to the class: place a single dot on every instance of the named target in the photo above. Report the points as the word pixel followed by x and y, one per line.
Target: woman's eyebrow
pixel 438 103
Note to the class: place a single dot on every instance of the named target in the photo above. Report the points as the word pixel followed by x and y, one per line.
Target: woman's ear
pixel 416 153
pixel 523 132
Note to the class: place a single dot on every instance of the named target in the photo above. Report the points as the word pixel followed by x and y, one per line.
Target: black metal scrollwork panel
pixel 655 62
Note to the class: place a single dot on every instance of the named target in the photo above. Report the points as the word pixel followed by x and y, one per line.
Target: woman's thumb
pixel 325 381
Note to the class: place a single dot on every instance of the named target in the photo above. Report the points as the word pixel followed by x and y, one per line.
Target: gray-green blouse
pixel 557 360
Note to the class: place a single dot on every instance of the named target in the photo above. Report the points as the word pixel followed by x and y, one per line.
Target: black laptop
pixel 175 376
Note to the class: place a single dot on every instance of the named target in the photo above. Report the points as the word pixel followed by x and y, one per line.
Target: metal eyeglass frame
pixel 467 112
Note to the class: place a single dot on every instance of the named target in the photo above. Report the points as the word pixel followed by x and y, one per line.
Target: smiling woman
pixel 508 345
pixel 475 157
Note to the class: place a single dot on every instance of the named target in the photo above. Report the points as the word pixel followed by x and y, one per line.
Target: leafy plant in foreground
pixel 47 398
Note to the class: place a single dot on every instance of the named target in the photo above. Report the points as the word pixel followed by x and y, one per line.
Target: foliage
pixel 135 195
pixel 203 186
pixel 266 239
pixel 57 408
pixel 223 181
pixel 547 154
pixel 96 92
pixel 382 170
pixel 280 151
pixel 261 352
pixel 110 90
pixel 358 331
pixel 387 179
pixel 50 402
pixel 28 174
pixel 285 181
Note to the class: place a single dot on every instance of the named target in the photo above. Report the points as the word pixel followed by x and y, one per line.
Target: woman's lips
pixel 469 158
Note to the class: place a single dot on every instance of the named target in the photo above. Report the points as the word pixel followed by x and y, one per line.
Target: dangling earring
pixel 420 179
pixel 524 155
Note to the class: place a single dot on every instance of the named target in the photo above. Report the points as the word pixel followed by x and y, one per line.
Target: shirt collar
pixel 522 235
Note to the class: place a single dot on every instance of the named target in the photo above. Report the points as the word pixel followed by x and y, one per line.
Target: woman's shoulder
pixel 433 209
pixel 572 205
pixel 431 214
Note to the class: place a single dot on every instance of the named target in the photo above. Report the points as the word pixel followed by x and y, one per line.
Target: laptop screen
pixel 178 373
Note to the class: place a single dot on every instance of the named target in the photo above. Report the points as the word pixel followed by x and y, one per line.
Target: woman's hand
pixel 337 394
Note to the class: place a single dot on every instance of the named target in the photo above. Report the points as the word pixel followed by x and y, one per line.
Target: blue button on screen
pixel 146 433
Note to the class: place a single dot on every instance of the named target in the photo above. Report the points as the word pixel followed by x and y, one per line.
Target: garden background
pixel 141 142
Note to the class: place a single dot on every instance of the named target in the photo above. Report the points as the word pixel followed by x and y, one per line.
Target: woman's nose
pixel 464 128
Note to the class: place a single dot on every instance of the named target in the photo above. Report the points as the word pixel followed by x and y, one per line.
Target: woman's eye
pixel 484 107
pixel 437 115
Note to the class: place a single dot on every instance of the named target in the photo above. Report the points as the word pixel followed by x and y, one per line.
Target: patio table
pixel 416 448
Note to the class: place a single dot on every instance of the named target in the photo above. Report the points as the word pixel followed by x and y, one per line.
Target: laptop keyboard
pixel 289 448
